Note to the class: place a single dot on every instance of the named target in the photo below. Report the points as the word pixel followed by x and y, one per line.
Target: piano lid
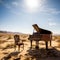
pixel 36 27
pixel 40 30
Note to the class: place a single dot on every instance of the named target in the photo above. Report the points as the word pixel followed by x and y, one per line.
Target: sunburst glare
pixel 32 5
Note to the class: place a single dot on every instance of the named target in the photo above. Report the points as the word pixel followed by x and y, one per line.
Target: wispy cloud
pixel 20 4
pixel 6 5
pixel 13 6
pixel 53 11
pixel 52 24
pixel 50 10
pixel 15 3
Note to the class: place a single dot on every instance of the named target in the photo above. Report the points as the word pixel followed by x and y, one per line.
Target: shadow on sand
pixel 43 54
pixel 35 54
pixel 9 56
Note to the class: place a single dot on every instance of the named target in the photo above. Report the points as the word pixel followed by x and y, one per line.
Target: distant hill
pixel 8 32
pixel 11 34
pixel 56 34
pixel 3 31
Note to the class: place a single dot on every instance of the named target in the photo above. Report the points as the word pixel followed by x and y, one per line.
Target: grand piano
pixel 40 35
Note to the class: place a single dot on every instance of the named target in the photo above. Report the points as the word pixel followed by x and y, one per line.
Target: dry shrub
pixel 2 41
pixel 58 45
pixel 58 40
pixel 8 46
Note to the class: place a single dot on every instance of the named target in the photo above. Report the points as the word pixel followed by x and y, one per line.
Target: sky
pixel 20 15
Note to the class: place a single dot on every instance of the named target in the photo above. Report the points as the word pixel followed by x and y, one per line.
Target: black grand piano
pixel 40 35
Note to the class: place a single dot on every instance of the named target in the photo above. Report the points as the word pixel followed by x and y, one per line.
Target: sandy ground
pixel 9 53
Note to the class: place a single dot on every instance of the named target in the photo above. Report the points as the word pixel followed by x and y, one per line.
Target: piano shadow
pixel 43 54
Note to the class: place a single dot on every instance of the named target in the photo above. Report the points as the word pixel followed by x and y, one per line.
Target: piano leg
pixel 50 42
pixel 37 45
pixel 31 43
pixel 46 45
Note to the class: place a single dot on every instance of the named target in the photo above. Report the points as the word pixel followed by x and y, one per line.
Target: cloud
pixel 6 5
pixel 50 19
pixel 13 6
pixel 52 24
pixel 10 4
pixel 53 11
pixel 15 3
pixel 50 10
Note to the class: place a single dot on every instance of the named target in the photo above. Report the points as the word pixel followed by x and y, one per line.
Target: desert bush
pixel 8 46
pixel 9 37
pixel 59 45
pixel 58 40
pixel 2 41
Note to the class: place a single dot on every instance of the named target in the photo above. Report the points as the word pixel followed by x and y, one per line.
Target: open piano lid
pixel 42 31
pixel 35 26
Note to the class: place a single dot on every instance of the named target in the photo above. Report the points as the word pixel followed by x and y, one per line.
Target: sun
pixel 32 5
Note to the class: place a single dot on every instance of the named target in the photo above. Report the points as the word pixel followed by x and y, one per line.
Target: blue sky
pixel 19 15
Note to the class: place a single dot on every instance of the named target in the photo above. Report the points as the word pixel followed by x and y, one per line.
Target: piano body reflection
pixel 40 35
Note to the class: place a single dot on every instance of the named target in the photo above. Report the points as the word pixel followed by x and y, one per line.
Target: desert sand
pixel 7 51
